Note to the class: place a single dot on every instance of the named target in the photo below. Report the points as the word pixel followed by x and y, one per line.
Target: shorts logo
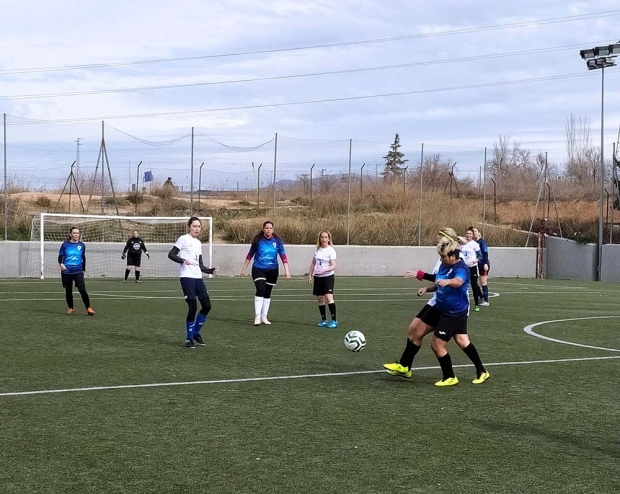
pixel 441 332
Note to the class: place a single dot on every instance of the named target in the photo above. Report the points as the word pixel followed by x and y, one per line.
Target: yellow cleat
pixel 395 369
pixel 481 378
pixel 451 381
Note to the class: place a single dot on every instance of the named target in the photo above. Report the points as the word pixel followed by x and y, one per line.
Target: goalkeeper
pixel 133 253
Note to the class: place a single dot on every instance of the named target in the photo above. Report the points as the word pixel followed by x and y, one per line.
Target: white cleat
pixel 264 320
pixel 257 321
pixel 484 304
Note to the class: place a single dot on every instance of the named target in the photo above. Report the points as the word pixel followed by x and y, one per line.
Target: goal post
pixel 105 237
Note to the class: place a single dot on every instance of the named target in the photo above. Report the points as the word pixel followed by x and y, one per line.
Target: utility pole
pixel 77 158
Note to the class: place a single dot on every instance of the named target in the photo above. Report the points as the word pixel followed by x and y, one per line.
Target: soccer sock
pixel 127 271
pixel 411 350
pixel 200 321
pixel 258 305
pixel 265 309
pixel 189 328
pixel 323 312
pixel 137 275
pixel 472 353
pixel 446 366
pixel 485 293
pixel 332 310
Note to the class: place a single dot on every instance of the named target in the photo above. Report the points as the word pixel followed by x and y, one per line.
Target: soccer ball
pixel 355 341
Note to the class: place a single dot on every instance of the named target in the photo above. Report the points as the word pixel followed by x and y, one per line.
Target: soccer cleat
pixel 90 311
pixel 190 344
pixel 484 303
pixel 124 281
pixel 264 320
pixel 395 369
pixel 476 309
pixel 396 373
pixel 70 312
pixel 451 381
pixel 322 324
pixel 333 325
pixel 198 340
pixel 481 378
pixel 257 321
pixel 137 281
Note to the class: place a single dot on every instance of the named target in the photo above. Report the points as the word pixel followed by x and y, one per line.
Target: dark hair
pixel 192 219
pixel 470 229
pixel 260 235
pixel 71 231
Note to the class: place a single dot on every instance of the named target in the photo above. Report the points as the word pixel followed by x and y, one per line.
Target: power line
pixel 327 100
pixel 555 20
pixel 293 76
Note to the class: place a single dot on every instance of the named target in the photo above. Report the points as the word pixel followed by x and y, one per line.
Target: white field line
pixel 530 330
pixel 279 378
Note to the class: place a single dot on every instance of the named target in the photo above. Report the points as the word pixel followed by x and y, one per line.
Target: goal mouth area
pixel 105 237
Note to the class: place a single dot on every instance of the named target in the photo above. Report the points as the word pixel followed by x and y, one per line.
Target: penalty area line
pixel 279 378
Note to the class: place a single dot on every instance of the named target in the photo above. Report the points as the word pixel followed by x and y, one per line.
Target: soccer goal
pixel 105 238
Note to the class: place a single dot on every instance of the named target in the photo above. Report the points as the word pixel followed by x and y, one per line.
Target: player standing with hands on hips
pixel 265 248
pixel 133 251
pixel 322 272
pixel 187 252
pixel 72 262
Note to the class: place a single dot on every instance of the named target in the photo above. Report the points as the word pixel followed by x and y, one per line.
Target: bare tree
pixel 583 158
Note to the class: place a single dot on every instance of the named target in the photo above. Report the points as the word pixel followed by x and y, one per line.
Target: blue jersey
pixel 73 256
pixel 450 300
pixel 266 253
pixel 484 250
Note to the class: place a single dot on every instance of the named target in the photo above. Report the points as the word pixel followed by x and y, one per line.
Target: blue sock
pixel 485 293
pixel 189 326
pixel 200 321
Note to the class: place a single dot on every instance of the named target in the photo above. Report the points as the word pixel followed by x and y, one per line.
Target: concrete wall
pixel 21 259
pixel 568 260
pixel 611 263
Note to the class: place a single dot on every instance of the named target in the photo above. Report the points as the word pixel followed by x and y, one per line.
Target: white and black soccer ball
pixel 355 341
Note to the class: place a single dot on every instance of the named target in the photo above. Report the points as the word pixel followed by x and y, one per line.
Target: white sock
pixel 265 311
pixel 258 305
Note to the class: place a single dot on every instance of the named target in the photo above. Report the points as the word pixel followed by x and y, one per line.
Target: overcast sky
pixel 466 70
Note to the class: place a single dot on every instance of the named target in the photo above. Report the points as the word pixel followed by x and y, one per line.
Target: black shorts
pixel 69 278
pixel 323 285
pixel 270 276
pixel 193 288
pixel 429 315
pixel 450 325
pixel 134 261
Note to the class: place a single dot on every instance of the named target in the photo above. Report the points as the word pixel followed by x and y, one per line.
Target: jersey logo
pixel 274 244
pixel 79 247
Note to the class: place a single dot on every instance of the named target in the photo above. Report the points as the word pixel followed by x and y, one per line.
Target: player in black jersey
pixel 133 252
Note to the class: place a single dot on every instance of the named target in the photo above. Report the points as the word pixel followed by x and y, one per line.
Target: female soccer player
pixel 483 266
pixel 424 322
pixel 322 272
pixel 265 248
pixel 472 256
pixel 187 252
pixel 133 251
pixel 72 262
pixel 453 306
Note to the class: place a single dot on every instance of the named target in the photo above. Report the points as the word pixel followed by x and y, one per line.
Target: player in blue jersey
pixel 72 262
pixel 187 252
pixel 483 266
pixel 451 284
pixel 265 249
pixel 424 322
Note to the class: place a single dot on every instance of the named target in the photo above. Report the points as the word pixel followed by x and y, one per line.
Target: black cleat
pixel 198 340
pixel 190 344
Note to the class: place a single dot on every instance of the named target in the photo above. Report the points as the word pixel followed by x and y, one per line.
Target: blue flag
pixel 148 176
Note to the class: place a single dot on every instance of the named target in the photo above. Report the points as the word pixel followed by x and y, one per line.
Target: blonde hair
pixel 450 234
pixel 448 247
pixel 329 237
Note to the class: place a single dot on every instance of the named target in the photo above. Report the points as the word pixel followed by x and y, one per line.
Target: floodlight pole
pixel 311 169
pixel 602 179
pixel 200 182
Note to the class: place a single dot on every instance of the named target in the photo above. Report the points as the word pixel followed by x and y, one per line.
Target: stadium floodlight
pixel 601 57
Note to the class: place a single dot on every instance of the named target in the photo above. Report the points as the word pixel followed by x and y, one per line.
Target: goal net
pixel 105 238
